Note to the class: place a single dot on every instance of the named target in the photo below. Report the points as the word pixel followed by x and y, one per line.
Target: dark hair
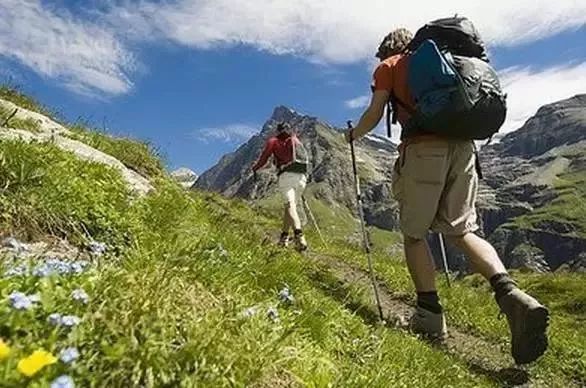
pixel 394 43
pixel 282 127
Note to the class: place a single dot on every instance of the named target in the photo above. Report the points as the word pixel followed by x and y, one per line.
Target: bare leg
pixel 293 215
pixel 482 255
pixel 420 264
pixel 287 221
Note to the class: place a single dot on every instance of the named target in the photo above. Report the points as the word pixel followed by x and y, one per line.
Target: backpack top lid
pixel 455 34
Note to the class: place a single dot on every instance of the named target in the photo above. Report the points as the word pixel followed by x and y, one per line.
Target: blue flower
pixel 97 248
pixel 285 296
pixel 56 266
pixel 69 355
pixel 63 381
pixel 76 268
pixel 20 301
pixel 54 319
pixel 273 314
pixel 57 319
pixel 70 320
pixel 80 295
pixel 250 312
pixel 35 298
pixel 42 270
pixel 18 270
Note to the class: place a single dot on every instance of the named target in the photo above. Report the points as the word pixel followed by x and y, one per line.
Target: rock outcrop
pixel 51 131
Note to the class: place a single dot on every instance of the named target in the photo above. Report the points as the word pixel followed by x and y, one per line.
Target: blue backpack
pixel 457 93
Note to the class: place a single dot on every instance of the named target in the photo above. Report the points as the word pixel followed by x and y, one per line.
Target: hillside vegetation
pixel 191 291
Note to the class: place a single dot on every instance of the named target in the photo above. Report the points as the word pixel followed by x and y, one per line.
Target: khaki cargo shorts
pixel 435 184
pixel 291 186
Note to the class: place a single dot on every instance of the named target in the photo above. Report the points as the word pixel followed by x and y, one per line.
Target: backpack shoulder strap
pixel 392 105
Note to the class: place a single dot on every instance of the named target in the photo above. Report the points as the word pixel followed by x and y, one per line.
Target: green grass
pixel 166 303
pixel 139 156
pixel 14 122
pixel 167 309
pixel 569 207
pixel 15 95
pixel 47 191
pixel 470 306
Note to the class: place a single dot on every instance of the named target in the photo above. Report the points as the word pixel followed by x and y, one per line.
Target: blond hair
pixel 394 43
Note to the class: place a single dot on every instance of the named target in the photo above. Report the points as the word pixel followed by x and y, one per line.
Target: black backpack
pixel 457 93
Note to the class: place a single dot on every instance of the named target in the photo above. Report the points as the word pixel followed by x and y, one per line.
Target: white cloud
pixel 232 133
pixel 90 51
pixel 82 55
pixel 358 102
pixel 529 89
pixel 336 31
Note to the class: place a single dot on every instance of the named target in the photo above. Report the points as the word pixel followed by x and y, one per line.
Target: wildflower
pixel 97 248
pixel 222 252
pixel 4 350
pixel 273 314
pixel 18 270
pixel 54 319
pixel 20 301
pixel 69 355
pixel 285 296
pixel 76 268
pixel 35 362
pixel 80 295
pixel 250 312
pixel 42 270
pixel 70 320
pixel 56 266
pixel 35 298
pixel 63 381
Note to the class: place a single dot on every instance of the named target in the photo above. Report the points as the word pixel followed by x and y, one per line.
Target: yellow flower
pixel 4 350
pixel 35 362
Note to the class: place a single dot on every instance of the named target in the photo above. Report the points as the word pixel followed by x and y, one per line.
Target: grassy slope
pixel 166 306
pixel 569 207
pixel 167 310
pixel 470 306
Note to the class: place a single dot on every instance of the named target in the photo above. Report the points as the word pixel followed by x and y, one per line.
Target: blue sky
pixel 198 84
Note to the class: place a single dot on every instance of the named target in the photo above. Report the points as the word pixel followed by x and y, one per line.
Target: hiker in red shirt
pixel 291 162
pixel 435 183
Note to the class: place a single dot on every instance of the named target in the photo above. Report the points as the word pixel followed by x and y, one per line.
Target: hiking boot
pixel 300 243
pixel 428 324
pixel 284 240
pixel 528 320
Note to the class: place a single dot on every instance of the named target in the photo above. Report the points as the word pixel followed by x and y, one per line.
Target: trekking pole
pixel 444 258
pixel 363 224
pixel 310 213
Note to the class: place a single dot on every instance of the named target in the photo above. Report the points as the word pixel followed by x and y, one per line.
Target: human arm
pixel 371 116
pixel 264 157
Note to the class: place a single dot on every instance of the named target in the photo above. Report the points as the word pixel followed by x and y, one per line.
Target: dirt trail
pixel 482 356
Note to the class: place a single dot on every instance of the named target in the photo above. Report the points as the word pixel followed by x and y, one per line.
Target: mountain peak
pixel 553 125
pixel 283 113
pixel 184 176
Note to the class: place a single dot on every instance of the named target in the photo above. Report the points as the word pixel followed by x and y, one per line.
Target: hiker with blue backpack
pixel 442 90
pixel 291 160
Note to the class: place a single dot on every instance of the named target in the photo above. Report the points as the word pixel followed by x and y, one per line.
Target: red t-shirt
pixel 280 147
pixel 391 75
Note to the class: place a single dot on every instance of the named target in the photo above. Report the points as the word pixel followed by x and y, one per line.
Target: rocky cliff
pixel 531 202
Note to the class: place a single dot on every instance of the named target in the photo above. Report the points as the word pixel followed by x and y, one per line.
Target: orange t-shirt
pixel 391 75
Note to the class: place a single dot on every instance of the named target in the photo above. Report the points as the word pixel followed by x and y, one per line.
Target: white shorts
pixel 291 186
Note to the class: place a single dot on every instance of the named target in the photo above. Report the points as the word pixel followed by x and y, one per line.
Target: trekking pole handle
pixel 354 168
